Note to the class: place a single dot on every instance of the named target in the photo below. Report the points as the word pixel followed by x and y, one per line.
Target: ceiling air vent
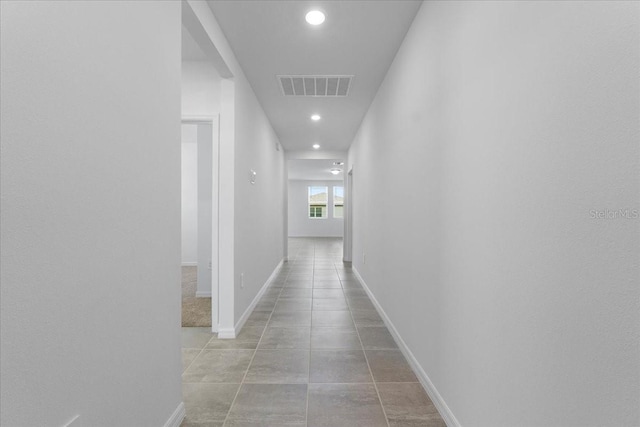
pixel 326 86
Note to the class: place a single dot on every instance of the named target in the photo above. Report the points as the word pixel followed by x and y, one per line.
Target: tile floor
pixel 313 353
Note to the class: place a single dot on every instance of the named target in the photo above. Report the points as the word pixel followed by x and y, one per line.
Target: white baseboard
pixel 314 237
pixel 227 333
pixel 201 294
pixel 428 386
pixel 189 264
pixel 255 301
pixel 176 418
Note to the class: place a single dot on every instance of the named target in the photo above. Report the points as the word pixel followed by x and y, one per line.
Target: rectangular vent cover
pixel 328 86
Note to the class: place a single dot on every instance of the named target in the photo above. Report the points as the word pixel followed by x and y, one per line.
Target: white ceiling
pixel 314 170
pixel 358 38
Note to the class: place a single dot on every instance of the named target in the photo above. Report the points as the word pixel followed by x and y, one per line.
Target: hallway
pixel 313 353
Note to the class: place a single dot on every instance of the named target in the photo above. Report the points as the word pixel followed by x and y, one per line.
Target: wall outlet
pixel 242 280
pixel 210 265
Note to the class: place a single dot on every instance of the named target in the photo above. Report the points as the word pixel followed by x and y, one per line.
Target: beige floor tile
pixel 328 293
pixel 293 318
pixel 389 366
pixel 300 284
pixel 407 405
pixel 283 338
pixel 333 338
pixel 296 293
pixel 327 284
pixel 354 292
pixel 351 284
pixel 187 423
pixel 269 405
pixel 218 366
pixel 207 403
pixel 293 304
pixel 333 319
pixel 366 318
pixel 360 303
pixel 196 337
pixel 376 338
pixel 230 344
pixel 279 367
pixel 348 405
pixel 188 356
pixel 339 366
pixel 258 318
pixel 331 304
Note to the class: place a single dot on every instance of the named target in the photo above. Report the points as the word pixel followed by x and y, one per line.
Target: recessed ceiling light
pixel 315 17
pixel 335 171
pixel 315 117
pixel 316 146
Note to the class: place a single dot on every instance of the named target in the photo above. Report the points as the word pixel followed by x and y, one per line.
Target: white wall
pixel 252 217
pixel 189 194
pixel 510 122
pixel 259 214
pixel 300 225
pixel 90 206
pixel 200 89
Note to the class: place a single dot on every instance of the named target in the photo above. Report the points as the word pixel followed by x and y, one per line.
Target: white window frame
pixel 310 204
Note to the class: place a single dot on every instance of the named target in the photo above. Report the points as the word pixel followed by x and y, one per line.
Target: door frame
pixel 347 249
pixel 214 121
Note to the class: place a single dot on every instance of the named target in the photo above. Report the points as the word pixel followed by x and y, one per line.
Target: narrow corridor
pixel 313 353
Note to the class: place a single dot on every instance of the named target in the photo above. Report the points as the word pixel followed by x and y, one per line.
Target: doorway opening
pixel 199 147
pixel 315 198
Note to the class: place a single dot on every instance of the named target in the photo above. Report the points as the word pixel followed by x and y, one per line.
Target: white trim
pixel 71 421
pixel 177 417
pixel 226 333
pixel 226 206
pixel 428 386
pixel 256 300
pixel 198 119
pixel 323 236
pixel 215 225
pixel 189 264
pixel 203 294
pixel 347 242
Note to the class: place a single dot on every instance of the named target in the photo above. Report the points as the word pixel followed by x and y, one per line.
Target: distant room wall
pixel 300 225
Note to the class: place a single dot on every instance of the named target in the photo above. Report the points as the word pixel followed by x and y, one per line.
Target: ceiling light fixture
pixel 316 146
pixel 315 17
pixel 315 117
pixel 338 163
pixel 335 171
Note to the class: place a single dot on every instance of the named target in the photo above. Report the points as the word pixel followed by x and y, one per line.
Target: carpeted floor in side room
pixel 195 311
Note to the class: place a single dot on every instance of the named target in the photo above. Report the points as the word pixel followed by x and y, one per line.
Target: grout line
pixel 198 355
pixel 306 410
pixel 292 383
pixel 375 385
pixel 244 377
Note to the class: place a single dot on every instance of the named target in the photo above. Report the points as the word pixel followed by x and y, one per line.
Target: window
pixel 318 200
pixel 338 202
